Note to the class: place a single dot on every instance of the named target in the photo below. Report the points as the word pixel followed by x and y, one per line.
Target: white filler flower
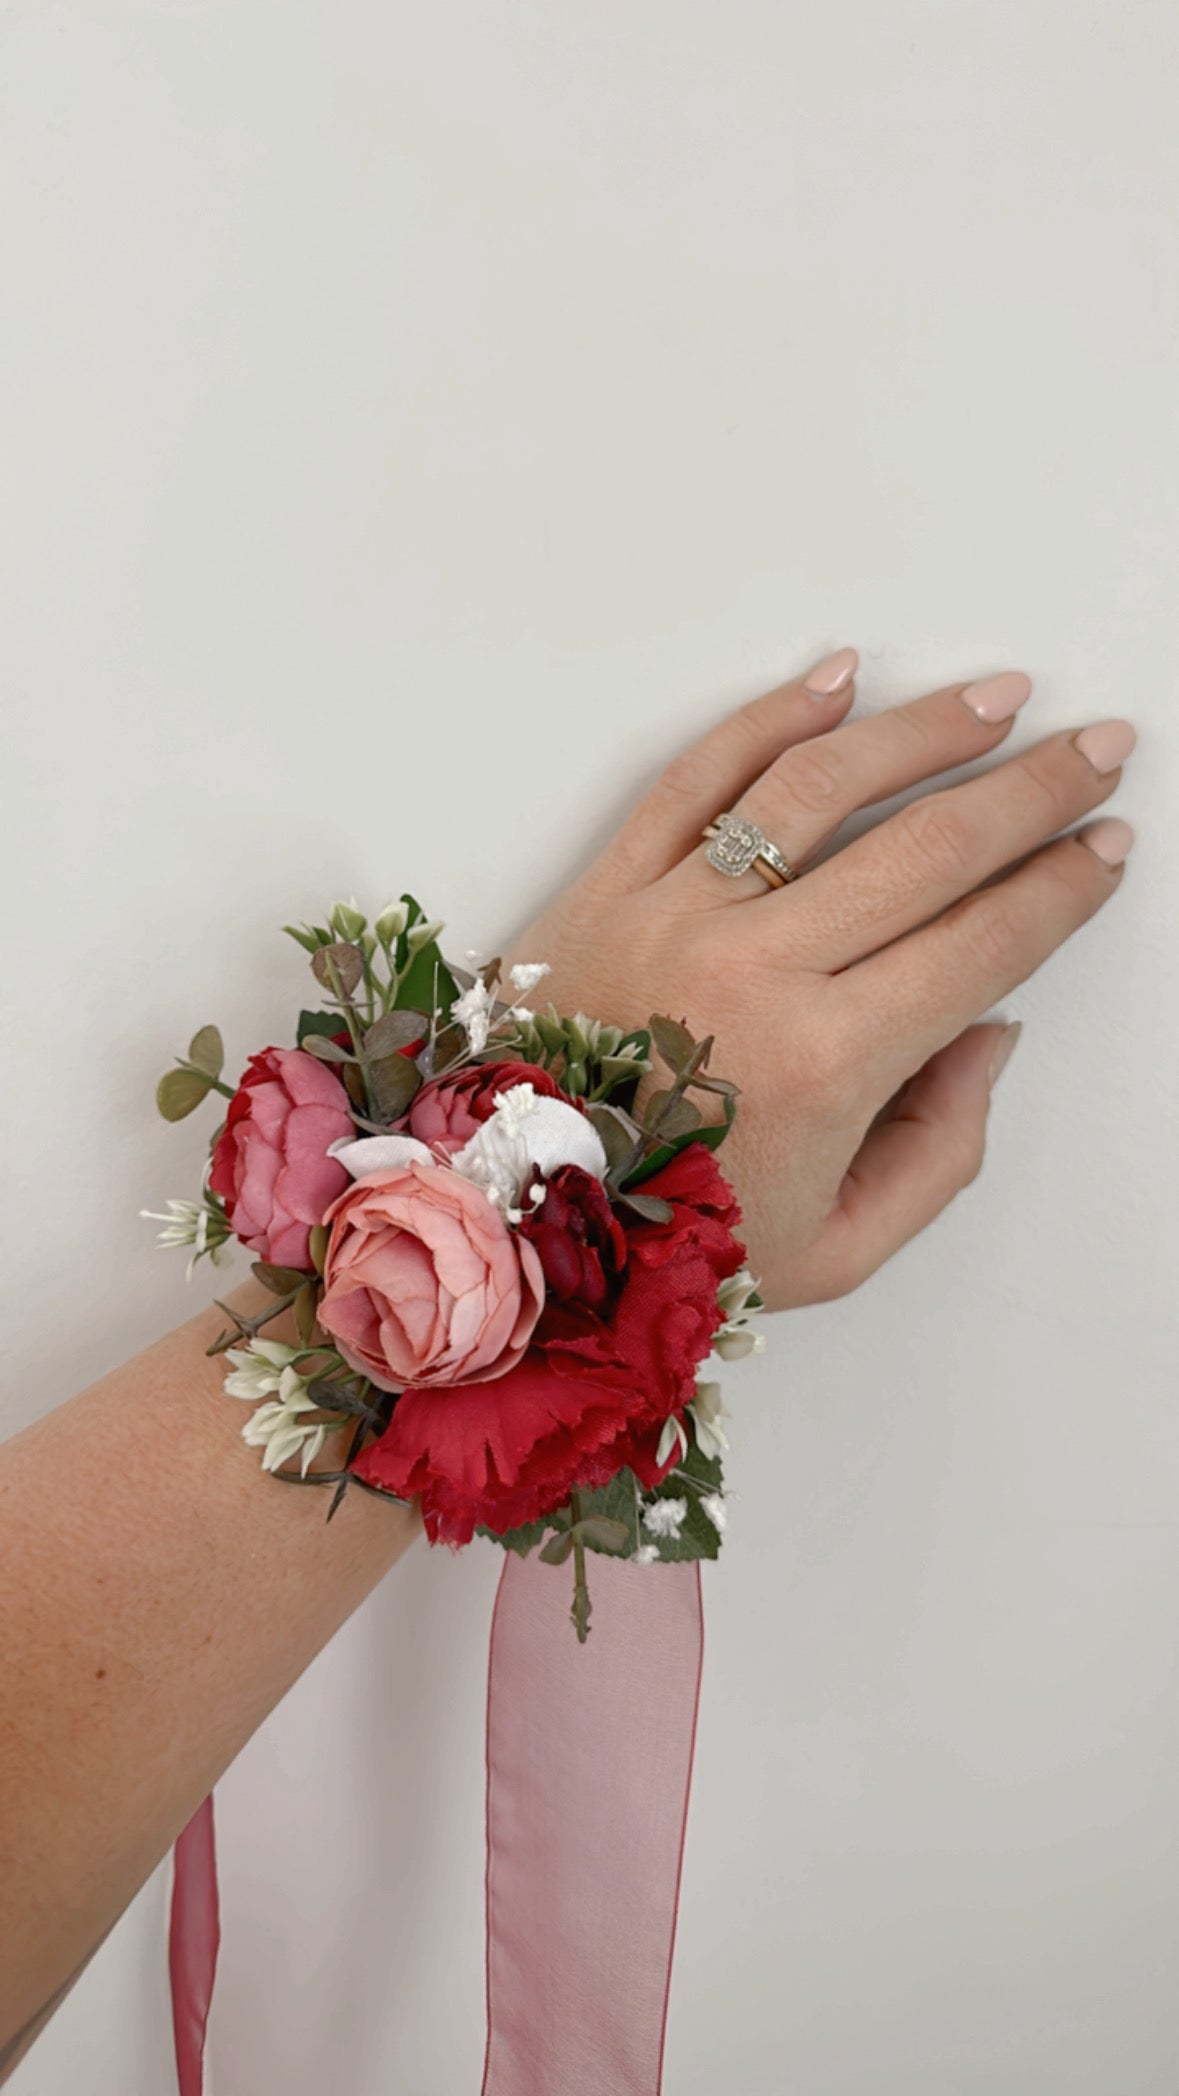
pixel 278 1427
pixel 665 1517
pixel 713 1506
pixel 646 1554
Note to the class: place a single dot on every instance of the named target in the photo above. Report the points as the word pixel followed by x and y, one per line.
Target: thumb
pixel 923 1150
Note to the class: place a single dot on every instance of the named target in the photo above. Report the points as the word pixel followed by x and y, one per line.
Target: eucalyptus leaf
pixel 206 1051
pixel 180 1092
pixel 394 1031
pixel 394 1080
pixel 617 1131
pixel 325 1051
pixel 672 1040
pixel 318 1244
pixel 668 1117
pixel 599 1532
pixel 345 960
pixel 558 1548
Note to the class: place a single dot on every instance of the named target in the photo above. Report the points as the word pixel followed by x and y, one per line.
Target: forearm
pixel 158 1597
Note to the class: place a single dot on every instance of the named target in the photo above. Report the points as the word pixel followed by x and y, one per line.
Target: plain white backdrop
pixel 416 422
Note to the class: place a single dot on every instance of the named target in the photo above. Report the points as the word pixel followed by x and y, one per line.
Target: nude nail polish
pixel 1106 744
pixel 1004 1049
pixel 833 674
pixel 1111 839
pixel 995 699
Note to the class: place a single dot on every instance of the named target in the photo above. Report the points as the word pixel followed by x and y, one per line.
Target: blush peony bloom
pixel 592 1393
pixel 425 1282
pixel 270 1165
pixel 446 1114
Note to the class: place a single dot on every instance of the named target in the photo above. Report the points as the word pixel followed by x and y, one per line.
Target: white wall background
pixel 417 420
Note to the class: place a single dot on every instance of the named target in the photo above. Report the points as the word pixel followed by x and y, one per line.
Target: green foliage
pixel 425 972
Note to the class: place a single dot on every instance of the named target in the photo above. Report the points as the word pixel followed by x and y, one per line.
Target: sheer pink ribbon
pixel 589 1764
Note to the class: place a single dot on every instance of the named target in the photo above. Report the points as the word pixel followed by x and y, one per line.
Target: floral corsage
pixel 507 1256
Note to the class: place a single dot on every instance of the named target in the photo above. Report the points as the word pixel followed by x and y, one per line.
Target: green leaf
pixel 416 990
pixel 558 1548
pixel 303 937
pixel 278 1279
pixel 206 1051
pixel 180 1092
pixel 305 1313
pixel 318 1244
pixel 617 1503
pixel 649 1206
pixel 698 1537
pixel 672 1041
pixel 326 1023
pixel 521 1540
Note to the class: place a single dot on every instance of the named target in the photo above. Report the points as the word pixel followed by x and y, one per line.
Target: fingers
pixel 911 1000
pixel 911 1164
pixel 712 774
pixel 908 869
pixel 801 799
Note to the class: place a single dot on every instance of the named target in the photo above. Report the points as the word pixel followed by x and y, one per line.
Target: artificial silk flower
pixel 527 1136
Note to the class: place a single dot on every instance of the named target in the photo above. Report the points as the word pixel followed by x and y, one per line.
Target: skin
pixel 157 1601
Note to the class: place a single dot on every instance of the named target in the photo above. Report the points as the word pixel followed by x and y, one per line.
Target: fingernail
pixel 1111 839
pixel 995 699
pixel 1004 1049
pixel 1107 744
pixel 832 674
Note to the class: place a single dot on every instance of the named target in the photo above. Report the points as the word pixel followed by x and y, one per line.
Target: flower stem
pixel 581 1609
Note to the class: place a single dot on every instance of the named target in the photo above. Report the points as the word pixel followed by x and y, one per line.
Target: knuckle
pixel 815 779
pixel 1048 795
pixel 687 777
pixel 937 839
pixel 994 932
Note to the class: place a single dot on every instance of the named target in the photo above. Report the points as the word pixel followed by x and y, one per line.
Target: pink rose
pixel 425 1282
pixel 270 1165
pixel 447 1113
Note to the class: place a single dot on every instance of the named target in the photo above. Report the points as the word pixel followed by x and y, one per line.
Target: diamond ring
pixel 738 846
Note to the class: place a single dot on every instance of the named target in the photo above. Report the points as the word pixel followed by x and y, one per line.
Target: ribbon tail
pixel 193 1938
pixel 589 1764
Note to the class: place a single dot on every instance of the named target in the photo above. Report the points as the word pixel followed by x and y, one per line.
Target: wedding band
pixel 738 847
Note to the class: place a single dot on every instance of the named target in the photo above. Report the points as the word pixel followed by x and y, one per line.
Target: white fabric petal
pixel 554 1134
pixel 364 1154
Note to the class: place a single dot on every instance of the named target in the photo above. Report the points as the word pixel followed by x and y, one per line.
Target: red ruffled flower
pixel 592 1393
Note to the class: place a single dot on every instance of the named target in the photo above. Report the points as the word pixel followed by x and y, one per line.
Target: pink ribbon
pixel 193 1936
pixel 589 1764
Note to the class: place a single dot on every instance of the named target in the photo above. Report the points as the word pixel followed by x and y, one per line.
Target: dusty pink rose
pixel 270 1165
pixel 425 1282
pixel 447 1113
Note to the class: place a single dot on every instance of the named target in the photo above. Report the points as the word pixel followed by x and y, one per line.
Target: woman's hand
pixel 844 1004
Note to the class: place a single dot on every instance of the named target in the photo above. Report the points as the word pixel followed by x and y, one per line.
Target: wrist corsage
pixel 507 1255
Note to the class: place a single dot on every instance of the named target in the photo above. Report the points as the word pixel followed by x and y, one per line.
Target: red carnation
pixel 446 1113
pixel 591 1395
